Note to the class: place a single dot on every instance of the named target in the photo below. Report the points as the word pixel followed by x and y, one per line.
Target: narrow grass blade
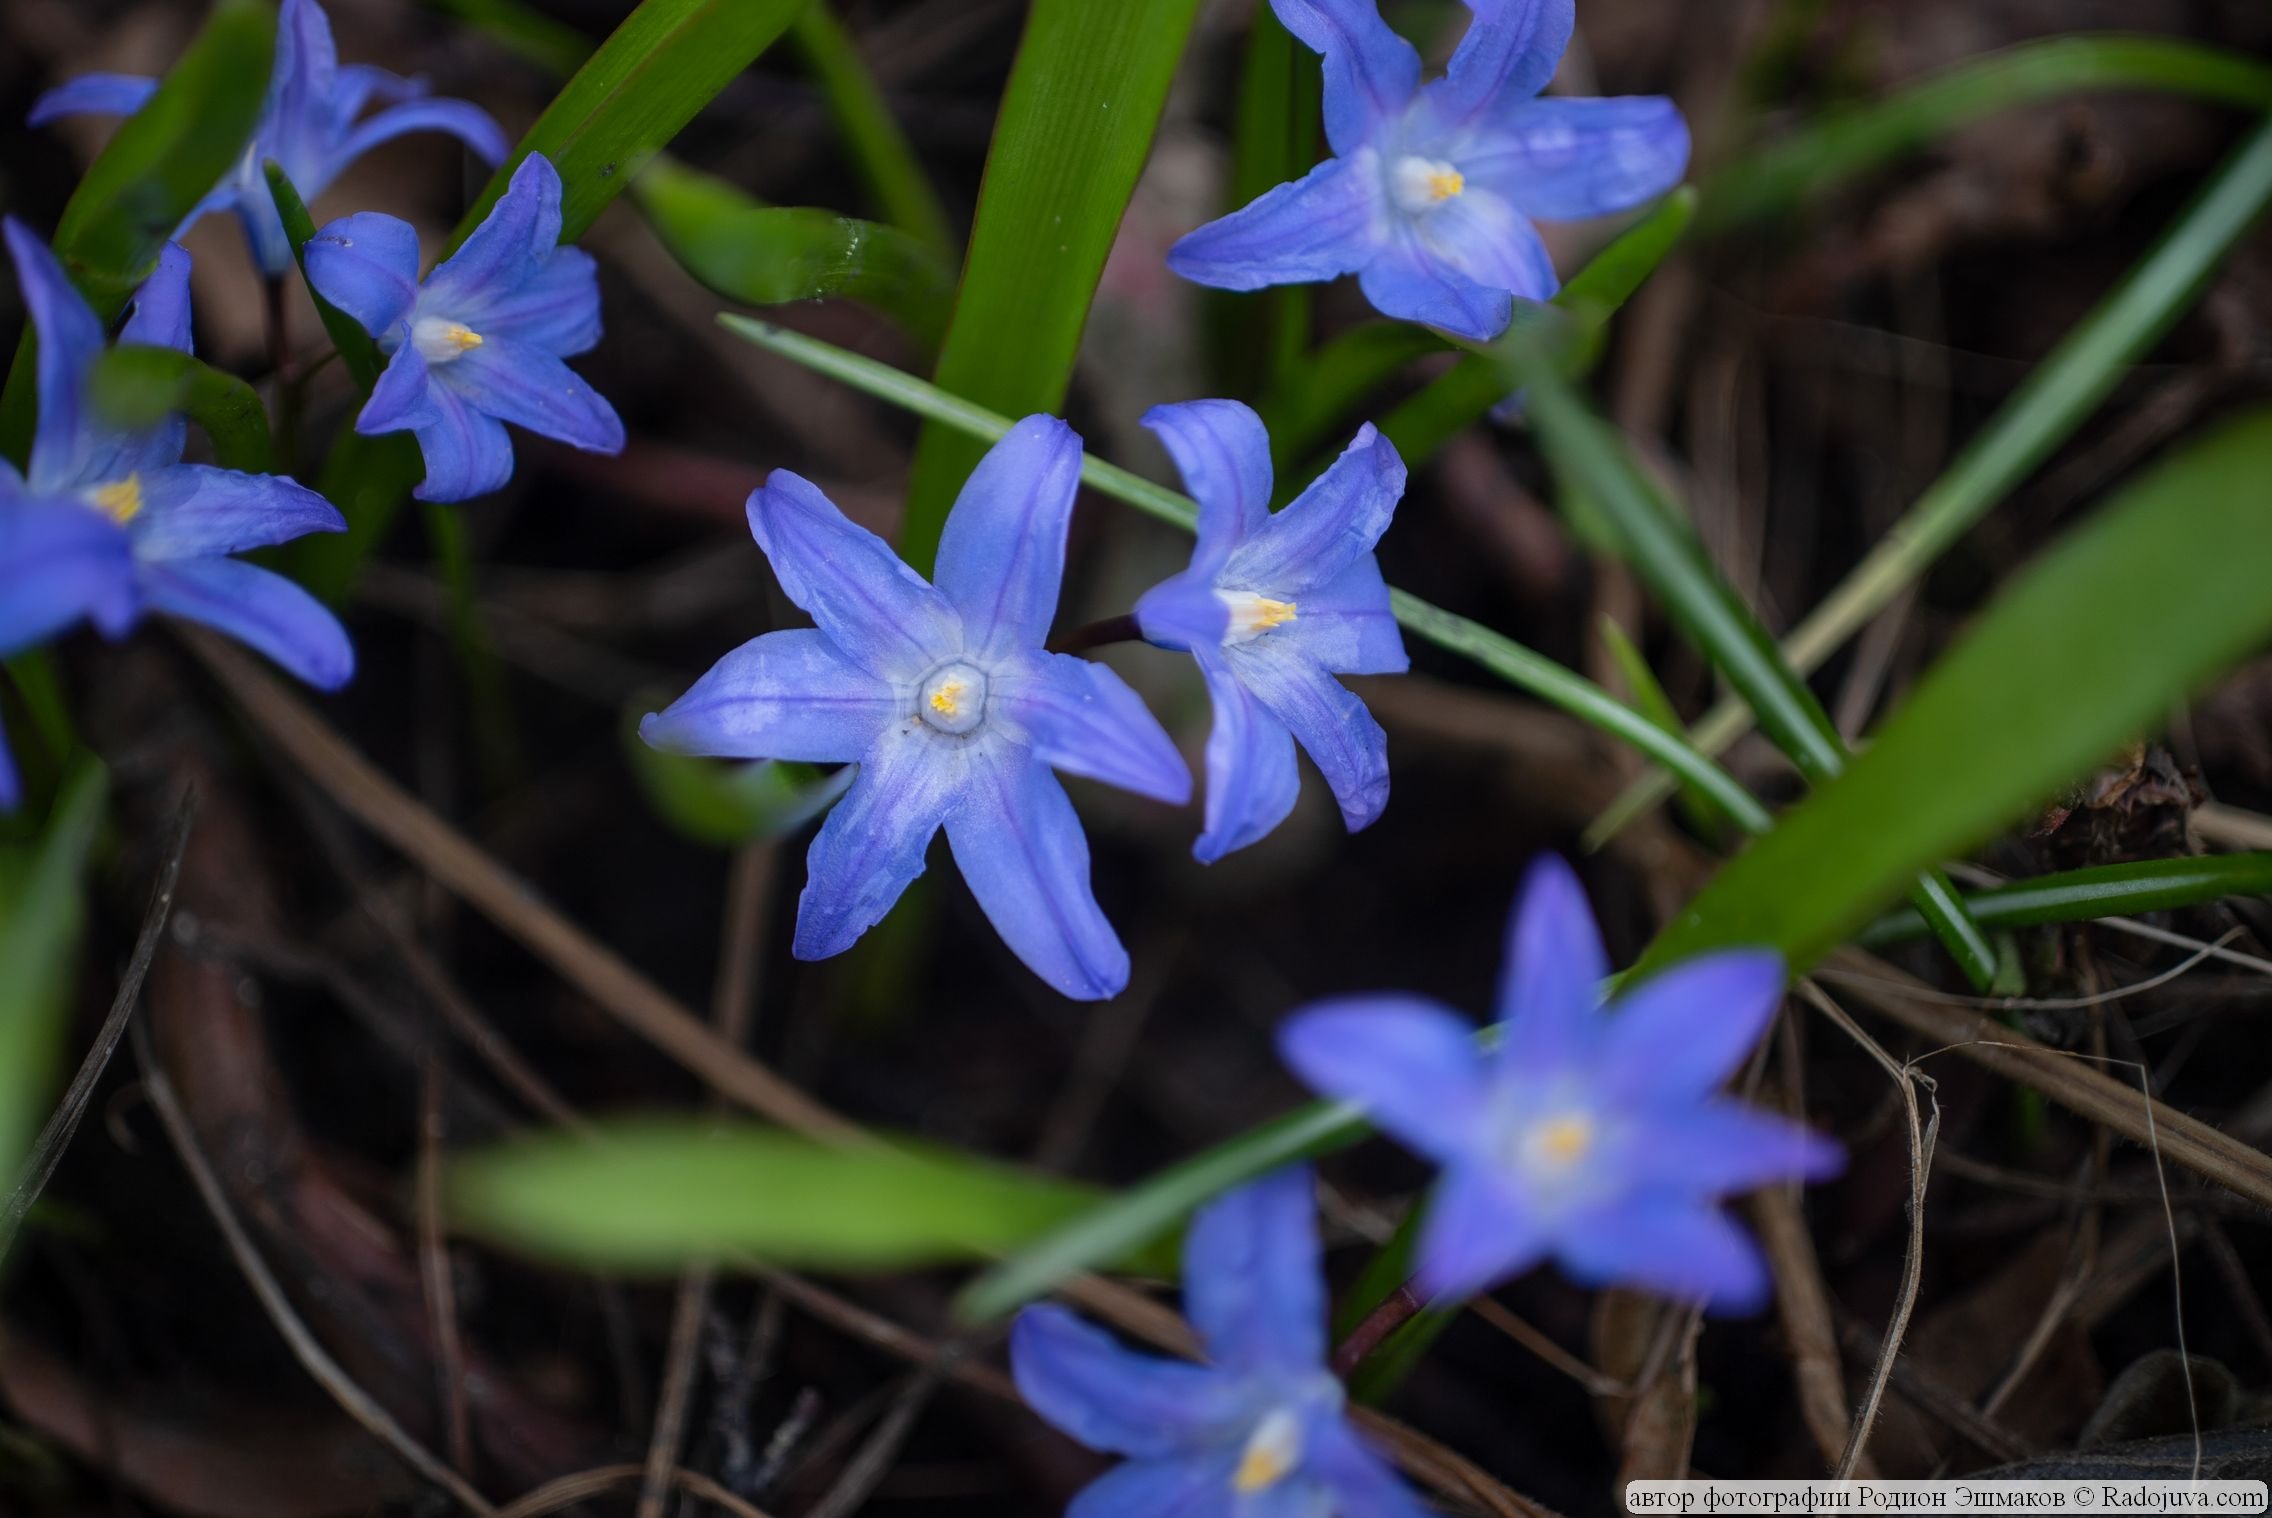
pixel 2157 593
pixel 1501 655
pixel 137 386
pixel 1259 340
pixel 2057 398
pixel 2114 890
pixel 41 916
pixel 764 255
pixel 1708 820
pixel 1076 125
pixel 730 805
pixel 878 146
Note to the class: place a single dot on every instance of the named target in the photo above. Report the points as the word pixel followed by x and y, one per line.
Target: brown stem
pixel 1098 634
pixel 1400 1308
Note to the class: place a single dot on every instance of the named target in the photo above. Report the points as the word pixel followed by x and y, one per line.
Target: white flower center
pixel 1554 1148
pixel 442 342
pixel 953 699
pixel 1272 1451
pixel 1419 185
pixel 1252 615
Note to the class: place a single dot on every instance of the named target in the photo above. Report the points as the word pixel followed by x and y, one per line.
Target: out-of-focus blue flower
pixel 1431 192
pixel 946 698
pixel 1592 1134
pixel 481 342
pixel 110 525
pixel 1273 607
pixel 1259 1432
pixel 308 124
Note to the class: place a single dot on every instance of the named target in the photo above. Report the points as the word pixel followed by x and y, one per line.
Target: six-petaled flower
pixel 308 124
pixel 481 342
pixel 1257 1433
pixel 1593 1133
pixel 1431 192
pixel 1272 608
pixel 945 697
pixel 108 524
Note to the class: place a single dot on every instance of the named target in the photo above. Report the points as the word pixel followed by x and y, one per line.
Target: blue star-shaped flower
pixel 1273 607
pixel 945 697
pixel 1258 1433
pixel 1593 1134
pixel 110 525
pixel 308 124
pixel 481 342
pixel 1431 191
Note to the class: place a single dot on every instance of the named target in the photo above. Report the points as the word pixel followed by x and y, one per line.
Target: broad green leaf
pixel 667 61
pixel 1836 150
pixel 878 146
pixel 162 161
pixel 139 386
pixel 764 255
pixel 2057 397
pixel 41 916
pixel 2113 890
pixel 657 1194
pixel 1586 453
pixel 357 349
pixel 1471 640
pixel 729 805
pixel 2163 588
pixel 1076 123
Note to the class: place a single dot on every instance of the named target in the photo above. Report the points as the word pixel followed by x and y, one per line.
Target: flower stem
pixel 1098 634
pixel 1401 1306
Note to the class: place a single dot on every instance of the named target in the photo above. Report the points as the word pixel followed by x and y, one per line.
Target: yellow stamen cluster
pixel 1271 1454
pixel 947 699
pixel 464 338
pixel 120 500
pixel 1445 183
pixel 1561 1142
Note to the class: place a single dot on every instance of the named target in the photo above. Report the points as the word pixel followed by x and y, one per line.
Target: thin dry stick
pixel 1922 1137
pixel 567 1491
pixel 434 1256
pixel 63 1123
pixel 872 1462
pixel 2041 1003
pixel 313 1357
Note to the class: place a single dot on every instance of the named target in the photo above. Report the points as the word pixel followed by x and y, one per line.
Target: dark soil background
pixel 1801 386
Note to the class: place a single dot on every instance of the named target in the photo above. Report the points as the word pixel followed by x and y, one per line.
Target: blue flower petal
pixel 874 840
pixel 261 610
pixel 1408 282
pixel 358 84
pixel 1481 236
pixel 468 123
pixel 1252 782
pixel 1410 1063
pixel 1722 1147
pixel 58 563
pixel 883 615
pixel 301 91
pixel 1687 1250
pixel 1364 1484
pixel 1479 1231
pixel 400 400
pixel 557 308
pixel 1198 1487
pixel 70 339
pixel 158 315
pixel 787 695
pixel 367 266
pixel 1370 72
pixel 466 450
pixel 528 387
pixel 1251 1283
pixel 1183 612
pixel 1328 720
pixel 1326 224
pixel 1684 1031
pixel 1566 160
pixel 1347 625
pixel 1022 852
pixel 1223 454
pixel 93 95
pixel 192 511
pixel 505 251
pixel 1082 718
pixel 1551 984
pixel 1510 53
pixel 1085 1384
pixel 1327 527
pixel 1002 553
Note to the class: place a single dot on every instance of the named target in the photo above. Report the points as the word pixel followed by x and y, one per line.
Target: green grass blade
pixel 1259 340
pixel 657 1194
pixel 41 915
pixel 1499 654
pixel 729 805
pixel 138 386
pixel 1649 696
pixel 2158 592
pixel 162 161
pixel 1077 120
pixel 1588 455
pixel 764 255
pixel 2058 397
pixel 2113 890
pixel 667 61
pixel 880 150
pixel 1836 150
pixel 357 349
pixel 1325 389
